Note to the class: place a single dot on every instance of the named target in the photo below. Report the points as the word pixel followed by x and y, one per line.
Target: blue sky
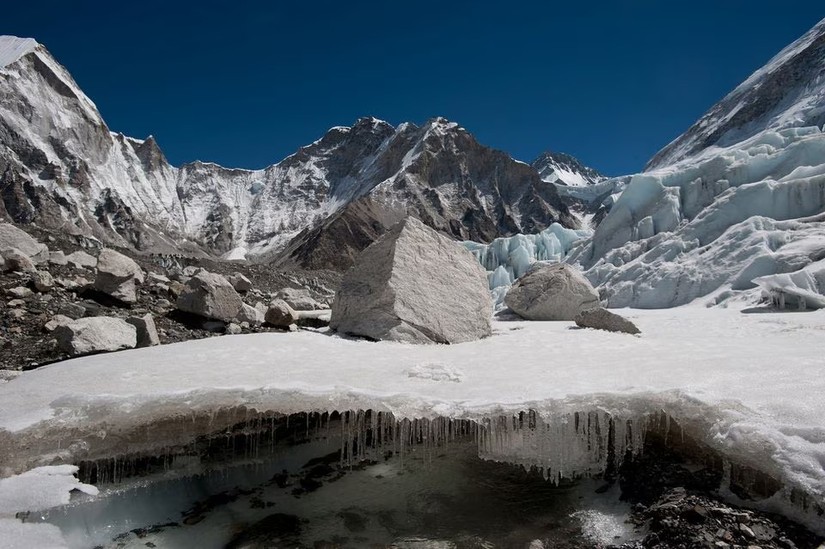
pixel 246 83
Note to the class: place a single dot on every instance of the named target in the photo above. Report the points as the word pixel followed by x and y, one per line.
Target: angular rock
pixel 95 334
pixel 12 237
pixel 72 310
pixel 81 260
pixel 56 321
pixel 16 261
pixel 551 292
pixel 240 282
pixel 417 286
pixel 58 258
pixel 299 299
pixel 117 276
pixel 211 296
pixel 15 303
pixel 42 281
pixel 251 315
pixel 602 319
pixel 191 270
pixel 233 329
pixel 147 332
pixel 157 278
pixel 19 292
pixel 280 314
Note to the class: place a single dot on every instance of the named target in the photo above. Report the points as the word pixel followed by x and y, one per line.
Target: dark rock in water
pixel 602 319
pixel 417 286
pixel 276 530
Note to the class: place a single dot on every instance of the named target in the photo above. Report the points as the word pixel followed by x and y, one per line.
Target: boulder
pixel 19 292
pixel 12 237
pixel 58 258
pixel 252 315
pixel 602 319
pixel 298 299
pixel 240 282
pixel 16 261
pixel 147 332
pixel 280 314
pixel 211 296
pixel 551 292
pixel 81 260
pixel 94 335
pixel 191 270
pixel 117 276
pixel 414 285
pixel 42 281
pixel 56 321
pixel 233 329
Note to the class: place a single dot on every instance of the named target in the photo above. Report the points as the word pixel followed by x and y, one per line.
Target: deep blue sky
pixel 246 83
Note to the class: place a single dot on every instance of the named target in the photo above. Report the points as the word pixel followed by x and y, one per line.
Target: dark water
pixel 303 496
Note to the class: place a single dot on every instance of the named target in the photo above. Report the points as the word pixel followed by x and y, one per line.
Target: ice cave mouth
pixel 357 478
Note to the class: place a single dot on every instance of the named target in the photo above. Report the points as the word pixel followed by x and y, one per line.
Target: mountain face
pixel 563 169
pixel 736 203
pixel 61 168
pixel 787 92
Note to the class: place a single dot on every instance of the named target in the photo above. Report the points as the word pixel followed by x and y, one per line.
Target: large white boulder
pixel 117 276
pixel 94 335
pixel 211 296
pixel 551 292
pixel 414 285
pixel 12 237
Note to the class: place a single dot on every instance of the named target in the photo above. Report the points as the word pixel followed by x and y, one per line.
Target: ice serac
pixel 414 285
pixel 738 197
pixel 63 169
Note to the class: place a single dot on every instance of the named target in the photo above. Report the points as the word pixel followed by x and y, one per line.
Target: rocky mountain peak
pixel 565 169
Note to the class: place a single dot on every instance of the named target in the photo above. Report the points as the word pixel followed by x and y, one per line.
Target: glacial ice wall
pixel 507 259
pixel 712 222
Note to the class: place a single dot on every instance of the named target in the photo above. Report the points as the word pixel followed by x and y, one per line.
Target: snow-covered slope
pixel 714 214
pixel 787 92
pixel 563 169
pixel 63 169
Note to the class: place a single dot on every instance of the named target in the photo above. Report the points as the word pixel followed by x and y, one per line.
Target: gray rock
pixel 414 285
pixel 280 315
pixel 157 278
pixel 81 260
pixel 211 296
pixel 42 281
pixel 20 292
pixel 12 237
pixel 233 329
pixel 16 261
pixel 298 299
pixel 15 303
pixel 191 271
pixel 240 282
pixel 551 292
pixel 95 334
pixel 58 258
pixel 251 315
pixel 117 276
pixel 602 319
pixel 72 310
pixel 2 264
pixel 56 321
pixel 147 332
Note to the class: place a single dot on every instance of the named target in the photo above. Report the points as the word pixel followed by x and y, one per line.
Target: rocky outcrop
pixel 417 286
pixel 602 319
pixel 117 276
pixel 94 335
pixel 551 292
pixel 211 296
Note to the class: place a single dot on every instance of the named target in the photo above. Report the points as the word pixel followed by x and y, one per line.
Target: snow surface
pixel 752 381
pixel 13 48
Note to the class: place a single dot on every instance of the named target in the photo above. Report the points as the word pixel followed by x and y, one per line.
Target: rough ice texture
pixel 749 385
pixel 551 292
pixel 414 285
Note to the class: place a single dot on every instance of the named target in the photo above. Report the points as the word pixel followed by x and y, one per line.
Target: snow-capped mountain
pixel 563 169
pixel 64 170
pixel 789 91
pixel 734 204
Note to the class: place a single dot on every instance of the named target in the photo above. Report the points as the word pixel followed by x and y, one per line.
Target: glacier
pixel 746 385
